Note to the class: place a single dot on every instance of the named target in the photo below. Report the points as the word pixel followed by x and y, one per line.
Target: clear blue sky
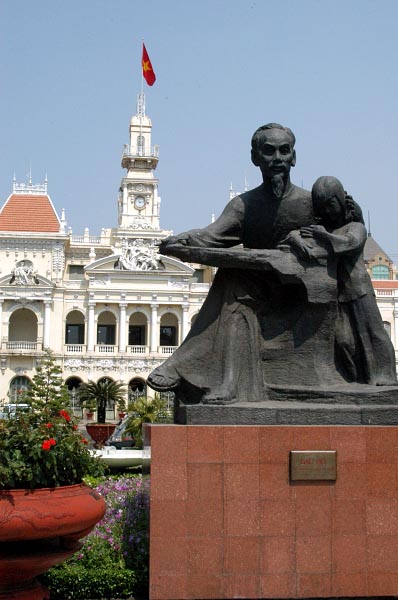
pixel 70 72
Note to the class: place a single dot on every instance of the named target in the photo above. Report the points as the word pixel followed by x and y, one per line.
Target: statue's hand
pixel 318 232
pixel 297 244
pixel 172 240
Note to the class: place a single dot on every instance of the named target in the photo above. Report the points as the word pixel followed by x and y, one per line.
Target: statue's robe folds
pixel 269 317
pixel 364 350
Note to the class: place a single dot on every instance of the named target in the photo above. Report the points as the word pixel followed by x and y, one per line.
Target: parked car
pixel 120 438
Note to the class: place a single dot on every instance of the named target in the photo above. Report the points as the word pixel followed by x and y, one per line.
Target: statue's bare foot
pixel 218 397
pixel 163 380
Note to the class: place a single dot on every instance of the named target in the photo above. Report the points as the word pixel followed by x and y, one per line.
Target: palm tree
pixel 146 410
pixel 101 395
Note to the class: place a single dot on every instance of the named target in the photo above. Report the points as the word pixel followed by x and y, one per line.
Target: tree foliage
pixel 146 410
pixel 100 395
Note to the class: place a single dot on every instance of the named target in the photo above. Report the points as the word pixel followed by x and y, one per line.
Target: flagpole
pixel 142 95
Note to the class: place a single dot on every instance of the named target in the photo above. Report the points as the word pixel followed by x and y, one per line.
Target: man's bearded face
pixel 275 156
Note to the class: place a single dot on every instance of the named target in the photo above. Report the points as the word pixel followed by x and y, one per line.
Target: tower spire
pixel 138 201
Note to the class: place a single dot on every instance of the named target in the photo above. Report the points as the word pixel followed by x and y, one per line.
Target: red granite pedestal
pixel 227 523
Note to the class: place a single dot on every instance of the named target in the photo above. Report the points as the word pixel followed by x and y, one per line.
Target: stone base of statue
pixel 340 405
pixel 228 521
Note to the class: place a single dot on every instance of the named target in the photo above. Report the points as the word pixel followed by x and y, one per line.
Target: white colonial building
pixel 107 306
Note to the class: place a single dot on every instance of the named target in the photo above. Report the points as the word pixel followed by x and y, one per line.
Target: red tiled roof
pixel 386 284
pixel 30 213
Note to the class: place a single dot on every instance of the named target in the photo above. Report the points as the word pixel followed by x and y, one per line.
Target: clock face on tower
pixel 139 202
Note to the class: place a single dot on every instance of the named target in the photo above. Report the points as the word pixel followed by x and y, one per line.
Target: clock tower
pixel 139 203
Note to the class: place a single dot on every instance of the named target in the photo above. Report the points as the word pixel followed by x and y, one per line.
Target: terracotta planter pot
pixel 41 528
pixel 100 432
pixel 90 416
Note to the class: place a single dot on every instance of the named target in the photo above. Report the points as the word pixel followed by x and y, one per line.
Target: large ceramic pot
pixel 100 432
pixel 41 528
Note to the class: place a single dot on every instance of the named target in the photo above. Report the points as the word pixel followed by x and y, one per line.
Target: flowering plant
pixel 117 546
pixel 42 447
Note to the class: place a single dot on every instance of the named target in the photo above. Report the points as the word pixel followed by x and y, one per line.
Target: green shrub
pixel 74 582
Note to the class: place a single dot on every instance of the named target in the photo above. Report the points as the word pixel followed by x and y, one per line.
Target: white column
pixel 154 327
pixel 90 327
pixel 1 321
pixel 46 324
pixel 185 322
pixel 122 327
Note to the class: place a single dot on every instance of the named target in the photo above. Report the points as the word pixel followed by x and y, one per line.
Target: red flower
pixel 84 441
pixel 46 445
pixel 75 427
pixel 48 425
pixel 65 415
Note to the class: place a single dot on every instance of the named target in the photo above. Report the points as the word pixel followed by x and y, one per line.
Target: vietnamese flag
pixel 147 71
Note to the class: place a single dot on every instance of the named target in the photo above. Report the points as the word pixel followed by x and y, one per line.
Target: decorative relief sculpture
pixel 137 255
pixel 75 364
pixel 24 273
pixel 140 223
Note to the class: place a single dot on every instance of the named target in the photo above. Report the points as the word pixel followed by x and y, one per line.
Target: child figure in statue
pixel 364 351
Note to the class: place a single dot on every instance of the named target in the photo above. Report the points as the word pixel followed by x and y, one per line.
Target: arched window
pixel 137 329
pixel 74 328
pixel 18 386
pixel 106 328
pixel 137 389
pixel 140 145
pixel 22 326
pixel 168 334
pixel 72 383
pixel 380 272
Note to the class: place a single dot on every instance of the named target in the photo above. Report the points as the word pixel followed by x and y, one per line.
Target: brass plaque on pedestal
pixel 313 465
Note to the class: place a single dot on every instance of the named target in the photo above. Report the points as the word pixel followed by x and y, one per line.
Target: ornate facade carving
pixel 58 258
pixel 178 284
pixel 75 364
pixel 24 273
pixel 137 255
pixel 141 223
pixel 110 364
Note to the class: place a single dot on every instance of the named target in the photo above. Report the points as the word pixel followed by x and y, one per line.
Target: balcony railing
pixel 105 348
pixel 141 151
pixel 75 348
pixel 384 292
pixel 22 345
pixel 138 349
pixel 167 349
pixel 81 239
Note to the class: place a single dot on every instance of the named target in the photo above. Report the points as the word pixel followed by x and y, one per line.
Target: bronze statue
pixel 281 312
